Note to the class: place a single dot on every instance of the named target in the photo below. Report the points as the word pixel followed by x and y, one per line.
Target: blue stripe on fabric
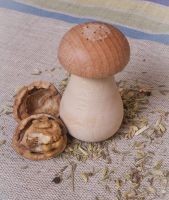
pixel 162 2
pixel 9 4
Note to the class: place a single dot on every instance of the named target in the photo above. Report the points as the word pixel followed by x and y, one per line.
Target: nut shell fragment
pixel 36 98
pixel 40 137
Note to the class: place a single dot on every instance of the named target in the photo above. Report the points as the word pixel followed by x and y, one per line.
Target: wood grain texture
pixel 91 109
pixel 94 50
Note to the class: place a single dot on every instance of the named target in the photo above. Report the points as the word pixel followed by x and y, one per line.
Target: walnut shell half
pixel 36 98
pixel 40 137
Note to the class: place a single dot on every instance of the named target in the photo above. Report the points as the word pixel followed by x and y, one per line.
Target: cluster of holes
pixel 95 32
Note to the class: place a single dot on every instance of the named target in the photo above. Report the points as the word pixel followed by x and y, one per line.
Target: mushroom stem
pixel 92 109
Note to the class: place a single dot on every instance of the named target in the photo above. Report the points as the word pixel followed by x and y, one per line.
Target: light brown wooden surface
pixel 94 50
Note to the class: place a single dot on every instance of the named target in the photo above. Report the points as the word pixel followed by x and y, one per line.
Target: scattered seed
pixel 57 180
pixel 158 164
pixel 118 183
pixel 73 168
pixel 52 69
pixel 2 142
pixel 107 188
pixel 141 130
pixel 36 72
pixel 24 167
pixel 6 110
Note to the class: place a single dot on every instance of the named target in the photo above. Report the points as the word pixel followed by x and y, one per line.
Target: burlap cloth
pixel 30 42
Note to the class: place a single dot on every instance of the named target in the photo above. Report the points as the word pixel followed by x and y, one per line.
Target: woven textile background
pixel 30 31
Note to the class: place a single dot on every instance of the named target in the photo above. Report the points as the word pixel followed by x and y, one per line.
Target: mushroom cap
pixel 47 127
pixel 94 50
pixel 38 97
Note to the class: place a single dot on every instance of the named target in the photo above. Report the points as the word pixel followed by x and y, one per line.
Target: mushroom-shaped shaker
pixel 91 106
